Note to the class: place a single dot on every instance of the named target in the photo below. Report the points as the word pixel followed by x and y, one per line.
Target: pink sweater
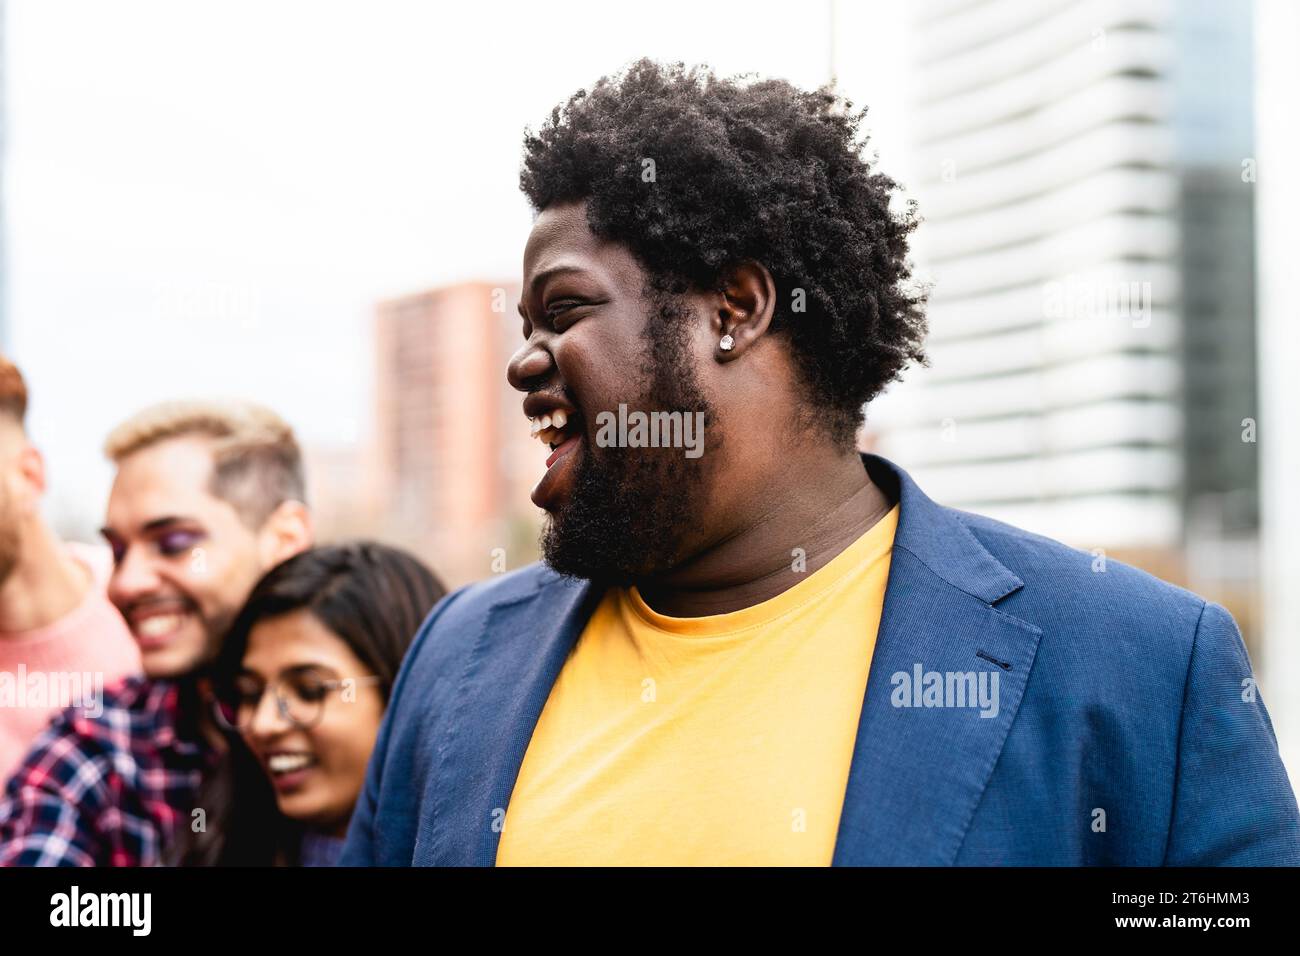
pixel 68 662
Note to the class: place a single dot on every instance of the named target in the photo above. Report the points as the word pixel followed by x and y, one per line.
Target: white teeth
pixel 158 625
pixel 287 763
pixel 549 429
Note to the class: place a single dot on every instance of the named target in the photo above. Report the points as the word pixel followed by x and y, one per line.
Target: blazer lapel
pixel 508 676
pixel 918 771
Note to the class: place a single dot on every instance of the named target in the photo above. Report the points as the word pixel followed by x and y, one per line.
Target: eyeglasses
pixel 300 700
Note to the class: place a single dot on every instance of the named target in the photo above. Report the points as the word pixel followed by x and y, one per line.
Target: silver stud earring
pixel 727 343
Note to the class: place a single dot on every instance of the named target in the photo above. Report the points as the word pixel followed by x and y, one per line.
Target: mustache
pixel 180 602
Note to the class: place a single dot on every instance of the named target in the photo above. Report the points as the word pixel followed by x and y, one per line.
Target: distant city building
pixel 1082 169
pixel 453 459
pixel 340 489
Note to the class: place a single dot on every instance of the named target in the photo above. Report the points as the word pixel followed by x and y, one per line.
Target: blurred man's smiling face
pixel 594 340
pixel 184 559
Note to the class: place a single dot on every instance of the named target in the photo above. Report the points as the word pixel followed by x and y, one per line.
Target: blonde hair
pixel 257 464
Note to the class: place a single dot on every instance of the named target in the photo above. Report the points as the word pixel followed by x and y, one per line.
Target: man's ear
pixel 287 531
pixel 31 466
pixel 744 311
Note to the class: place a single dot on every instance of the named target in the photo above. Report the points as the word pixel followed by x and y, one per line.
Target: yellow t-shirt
pixel 721 740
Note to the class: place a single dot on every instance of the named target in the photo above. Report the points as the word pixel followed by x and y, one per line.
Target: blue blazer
pixel 1128 730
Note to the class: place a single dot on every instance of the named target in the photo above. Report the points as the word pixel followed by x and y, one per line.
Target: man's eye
pixel 178 542
pixel 562 306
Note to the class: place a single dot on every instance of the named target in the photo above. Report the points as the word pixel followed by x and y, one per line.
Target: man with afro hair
pixel 749 644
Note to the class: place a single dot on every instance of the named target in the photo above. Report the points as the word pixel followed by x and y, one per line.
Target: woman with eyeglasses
pixel 300 687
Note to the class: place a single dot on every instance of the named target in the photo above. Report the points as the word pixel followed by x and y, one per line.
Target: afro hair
pixel 748 170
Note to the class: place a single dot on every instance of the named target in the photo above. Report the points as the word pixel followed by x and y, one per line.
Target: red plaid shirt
pixel 107 790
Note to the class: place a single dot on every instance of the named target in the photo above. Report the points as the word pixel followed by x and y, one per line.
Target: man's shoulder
pixel 84 745
pixel 135 697
pixel 474 601
pixel 459 618
pixel 1088 594
pixel 507 587
pixel 1033 557
pixel 128 710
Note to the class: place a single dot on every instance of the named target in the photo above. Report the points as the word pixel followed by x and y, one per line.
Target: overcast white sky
pixel 207 198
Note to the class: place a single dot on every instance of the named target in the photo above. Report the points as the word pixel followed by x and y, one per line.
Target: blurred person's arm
pixel 51 806
pixel 1233 803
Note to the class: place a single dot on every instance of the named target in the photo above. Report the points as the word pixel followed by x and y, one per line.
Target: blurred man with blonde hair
pixel 61 641
pixel 207 497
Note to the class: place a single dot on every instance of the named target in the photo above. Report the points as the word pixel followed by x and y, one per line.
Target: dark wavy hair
pixel 743 171
pixel 373 597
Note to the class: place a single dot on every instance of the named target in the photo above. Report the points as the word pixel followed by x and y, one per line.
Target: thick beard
pixel 632 508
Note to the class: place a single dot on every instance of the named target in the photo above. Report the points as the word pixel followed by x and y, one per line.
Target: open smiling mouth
pixel 557 430
pixel 287 769
pixel 157 625
pixel 560 431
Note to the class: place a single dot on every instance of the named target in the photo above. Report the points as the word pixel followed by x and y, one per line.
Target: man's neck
pixel 46 584
pixel 809 514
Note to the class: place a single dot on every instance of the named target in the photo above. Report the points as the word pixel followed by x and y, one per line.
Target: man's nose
pixel 132 578
pixel 529 365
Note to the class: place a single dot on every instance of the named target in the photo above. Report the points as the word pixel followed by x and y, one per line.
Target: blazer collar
pixel 916 774
pixel 937 538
